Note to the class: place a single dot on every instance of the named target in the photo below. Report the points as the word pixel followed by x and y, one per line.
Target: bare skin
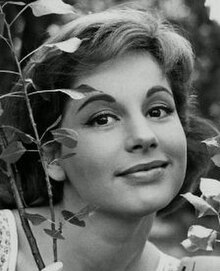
pixel 138 126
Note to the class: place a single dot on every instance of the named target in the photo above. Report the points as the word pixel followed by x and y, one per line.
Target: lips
pixel 143 167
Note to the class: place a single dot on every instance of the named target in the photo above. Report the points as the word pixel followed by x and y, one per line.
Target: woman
pixel 131 155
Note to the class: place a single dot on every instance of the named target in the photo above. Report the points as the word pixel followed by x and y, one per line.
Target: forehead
pixel 131 73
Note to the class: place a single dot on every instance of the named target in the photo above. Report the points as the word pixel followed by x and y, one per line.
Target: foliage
pixel 12 139
pixel 200 237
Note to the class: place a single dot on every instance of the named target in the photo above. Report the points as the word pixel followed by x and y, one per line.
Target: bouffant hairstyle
pixel 106 35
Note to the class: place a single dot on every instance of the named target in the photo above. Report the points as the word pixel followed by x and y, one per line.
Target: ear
pixel 51 155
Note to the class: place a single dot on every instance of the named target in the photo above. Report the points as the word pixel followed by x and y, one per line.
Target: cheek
pixel 94 159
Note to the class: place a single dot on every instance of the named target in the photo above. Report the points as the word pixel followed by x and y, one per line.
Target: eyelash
pixel 92 120
pixel 168 110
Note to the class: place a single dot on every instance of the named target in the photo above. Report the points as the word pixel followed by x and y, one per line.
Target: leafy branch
pixel 200 237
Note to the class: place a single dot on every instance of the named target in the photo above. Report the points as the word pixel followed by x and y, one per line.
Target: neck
pixel 108 242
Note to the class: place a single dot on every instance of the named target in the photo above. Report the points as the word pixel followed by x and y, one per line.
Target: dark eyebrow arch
pixel 97 97
pixel 157 89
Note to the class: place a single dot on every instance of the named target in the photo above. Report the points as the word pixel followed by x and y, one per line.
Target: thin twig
pixel 38 143
pixel 28 232
pixel 31 53
pixel 8 71
pixel 18 15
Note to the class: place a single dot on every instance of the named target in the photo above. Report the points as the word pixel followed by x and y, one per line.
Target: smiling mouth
pixel 143 168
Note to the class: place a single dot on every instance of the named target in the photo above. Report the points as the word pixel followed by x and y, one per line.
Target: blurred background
pixel 193 18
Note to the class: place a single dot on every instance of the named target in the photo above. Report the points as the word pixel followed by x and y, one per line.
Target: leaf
pixel 16 3
pixel 200 237
pixel 55 172
pixel 65 136
pixel 63 157
pixel 86 211
pixel 75 95
pixel 213 145
pixel 68 46
pixel 72 219
pixel 54 234
pixel 209 187
pixel 2 23
pixel 45 7
pixel 57 266
pixel 19 135
pixel 35 219
pixel 200 205
pixel 13 152
pixel 216 159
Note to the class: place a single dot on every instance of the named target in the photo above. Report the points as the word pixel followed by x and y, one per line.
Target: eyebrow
pixel 109 98
pixel 157 89
pixel 96 97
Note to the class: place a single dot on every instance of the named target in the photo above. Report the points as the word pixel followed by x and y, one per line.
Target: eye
pixel 102 119
pixel 159 112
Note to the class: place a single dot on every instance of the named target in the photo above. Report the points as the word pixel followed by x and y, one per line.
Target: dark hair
pixel 106 35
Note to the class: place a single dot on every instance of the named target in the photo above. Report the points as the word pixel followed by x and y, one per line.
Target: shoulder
pixel 8 241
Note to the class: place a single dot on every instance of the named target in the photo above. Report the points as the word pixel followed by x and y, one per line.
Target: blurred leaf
pixel 209 187
pixel 2 23
pixel 213 145
pixel 200 237
pixel 54 234
pixel 72 219
pixel 45 7
pixel 19 135
pixel 86 211
pixel 35 219
pixel 13 152
pixel 55 172
pixel 214 6
pixel 69 46
pixel 65 136
pixel 200 205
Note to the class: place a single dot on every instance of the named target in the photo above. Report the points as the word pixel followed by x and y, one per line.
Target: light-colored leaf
pixel 200 205
pixel 214 6
pixel 189 246
pixel 55 172
pixel 2 23
pixel 216 159
pixel 209 187
pixel 13 152
pixel 200 237
pixel 57 266
pixel 212 141
pixel 45 7
pixel 75 95
pixel 68 46
pixel 54 234
pixel 65 136
pixel 35 219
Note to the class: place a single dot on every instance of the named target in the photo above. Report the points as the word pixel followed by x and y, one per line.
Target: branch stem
pixel 38 142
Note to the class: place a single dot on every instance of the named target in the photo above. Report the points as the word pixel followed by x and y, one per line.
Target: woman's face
pixel 131 151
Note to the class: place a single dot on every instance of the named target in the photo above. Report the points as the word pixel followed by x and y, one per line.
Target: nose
pixel 140 136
